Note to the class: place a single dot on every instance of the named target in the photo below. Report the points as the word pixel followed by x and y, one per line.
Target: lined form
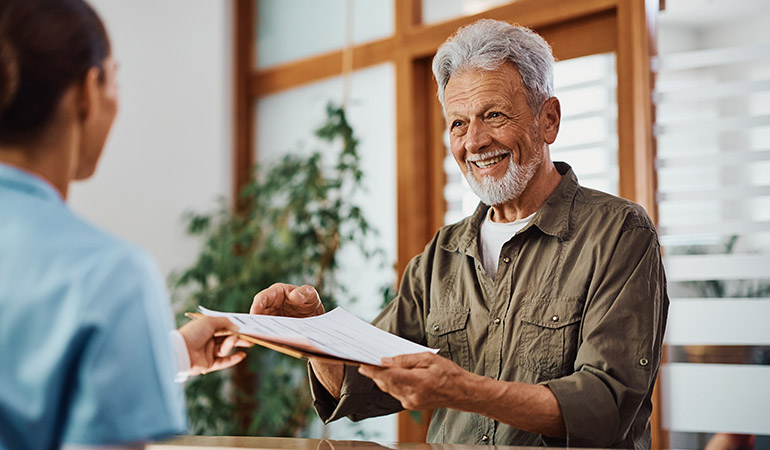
pixel 336 333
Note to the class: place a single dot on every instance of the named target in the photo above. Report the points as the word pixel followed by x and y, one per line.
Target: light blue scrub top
pixel 85 356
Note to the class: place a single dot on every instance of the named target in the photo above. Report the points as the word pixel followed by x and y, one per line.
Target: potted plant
pixel 290 223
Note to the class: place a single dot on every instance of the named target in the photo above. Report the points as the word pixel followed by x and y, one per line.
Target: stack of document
pixel 336 336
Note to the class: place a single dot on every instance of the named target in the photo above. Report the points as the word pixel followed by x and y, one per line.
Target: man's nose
pixel 477 138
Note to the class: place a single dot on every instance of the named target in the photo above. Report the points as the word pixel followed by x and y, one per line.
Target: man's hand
pixel 422 380
pixel 287 300
pixel 426 381
pixel 208 352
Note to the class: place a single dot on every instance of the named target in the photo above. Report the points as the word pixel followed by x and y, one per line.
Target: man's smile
pixel 487 161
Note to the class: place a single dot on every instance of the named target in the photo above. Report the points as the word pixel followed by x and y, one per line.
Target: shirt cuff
pixel 585 401
pixel 360 398
pixel 182 356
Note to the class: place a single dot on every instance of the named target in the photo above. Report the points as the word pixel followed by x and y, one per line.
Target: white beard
pixel 493 192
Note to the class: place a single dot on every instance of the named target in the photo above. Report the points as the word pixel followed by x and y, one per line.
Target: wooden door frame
pixel 626 27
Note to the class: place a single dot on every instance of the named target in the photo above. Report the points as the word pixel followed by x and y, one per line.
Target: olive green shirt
pixel 579 304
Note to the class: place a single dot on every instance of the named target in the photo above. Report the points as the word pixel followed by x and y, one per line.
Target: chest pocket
pixel 550 336
pixel 447 330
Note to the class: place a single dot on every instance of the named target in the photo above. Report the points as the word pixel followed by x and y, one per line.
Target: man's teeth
pixel 489 162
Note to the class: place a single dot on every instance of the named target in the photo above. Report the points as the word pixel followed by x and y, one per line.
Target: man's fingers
pixel 368 371
pixel 261 300
pixel 287 300
pixel 409 361
pixel 271 298
pixel 304 295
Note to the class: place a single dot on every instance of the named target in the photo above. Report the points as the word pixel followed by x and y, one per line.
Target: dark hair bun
pixel 46 46
pixel 9 74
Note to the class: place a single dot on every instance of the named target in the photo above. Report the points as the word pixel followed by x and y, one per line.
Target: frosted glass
pixel 285 123
pixel 713 123
pixel 441 10
pixel 717 267
pixel 585 70
pixel 733 321
pixel 716 398
pixel 582 131
pixel 289 30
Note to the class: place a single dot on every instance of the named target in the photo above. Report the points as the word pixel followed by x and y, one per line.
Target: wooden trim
pixel 407 15
pixel 413 162
pixel 424 40
pixel 413 166
pixel 410 430
pixel 437 148
pixel 636 144
pixel 660 437
pixel 420 41
pixel 290 75
pixel 636 149
pixel 244 19
pixel 597 32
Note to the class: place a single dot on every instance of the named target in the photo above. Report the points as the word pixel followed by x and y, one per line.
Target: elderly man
pixel 548 304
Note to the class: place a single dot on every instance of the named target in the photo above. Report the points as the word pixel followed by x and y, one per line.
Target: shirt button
pixel 506 260
pixel 484 438
pixel 497 321
pixel 436 328
pixel 555 318
pixel 644 361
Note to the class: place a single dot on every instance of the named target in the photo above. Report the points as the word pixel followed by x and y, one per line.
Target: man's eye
pixel 494 115
pixel 456 123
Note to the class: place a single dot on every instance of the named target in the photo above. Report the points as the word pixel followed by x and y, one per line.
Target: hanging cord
pixel 347 53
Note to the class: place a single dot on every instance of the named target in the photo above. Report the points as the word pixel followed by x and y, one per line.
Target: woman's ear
pixel 550 119
pixel 97 107
pixel 88 93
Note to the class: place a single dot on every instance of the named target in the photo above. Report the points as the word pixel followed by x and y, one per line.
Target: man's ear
pixel 550 119
pixel 88 95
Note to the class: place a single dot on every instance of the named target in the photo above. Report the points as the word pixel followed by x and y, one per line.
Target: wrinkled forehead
pixel 470 81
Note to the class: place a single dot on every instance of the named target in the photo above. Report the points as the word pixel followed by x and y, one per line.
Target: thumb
pixel 408 361
pixel 304 294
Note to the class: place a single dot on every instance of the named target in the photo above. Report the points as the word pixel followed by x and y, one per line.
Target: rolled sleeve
pixel 359 399
pixel 618 359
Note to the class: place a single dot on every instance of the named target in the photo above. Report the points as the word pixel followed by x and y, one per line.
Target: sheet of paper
pixel 336 333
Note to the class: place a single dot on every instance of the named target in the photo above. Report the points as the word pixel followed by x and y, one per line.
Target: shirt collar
pixel 27 183
pixel 552 218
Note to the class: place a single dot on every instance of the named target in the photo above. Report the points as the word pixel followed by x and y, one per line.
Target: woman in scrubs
pixel 87 353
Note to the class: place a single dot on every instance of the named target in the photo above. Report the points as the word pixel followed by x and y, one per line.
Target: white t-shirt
pixel 492 237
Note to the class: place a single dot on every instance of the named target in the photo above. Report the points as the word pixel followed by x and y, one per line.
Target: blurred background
pixel 665 103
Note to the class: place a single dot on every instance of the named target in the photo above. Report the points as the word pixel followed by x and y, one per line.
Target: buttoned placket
pixel 499 295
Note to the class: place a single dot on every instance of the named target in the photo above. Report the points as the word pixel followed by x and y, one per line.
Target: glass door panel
pixel 713 130
pixel 289 30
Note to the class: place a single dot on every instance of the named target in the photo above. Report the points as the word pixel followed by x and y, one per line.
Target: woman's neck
pixel 52 164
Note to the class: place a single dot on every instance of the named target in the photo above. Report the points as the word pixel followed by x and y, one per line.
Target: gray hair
pixel 487 44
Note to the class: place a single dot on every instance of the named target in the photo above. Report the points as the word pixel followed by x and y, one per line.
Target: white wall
pixel 169 150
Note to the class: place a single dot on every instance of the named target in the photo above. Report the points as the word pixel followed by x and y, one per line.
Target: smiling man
pixel 548 305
